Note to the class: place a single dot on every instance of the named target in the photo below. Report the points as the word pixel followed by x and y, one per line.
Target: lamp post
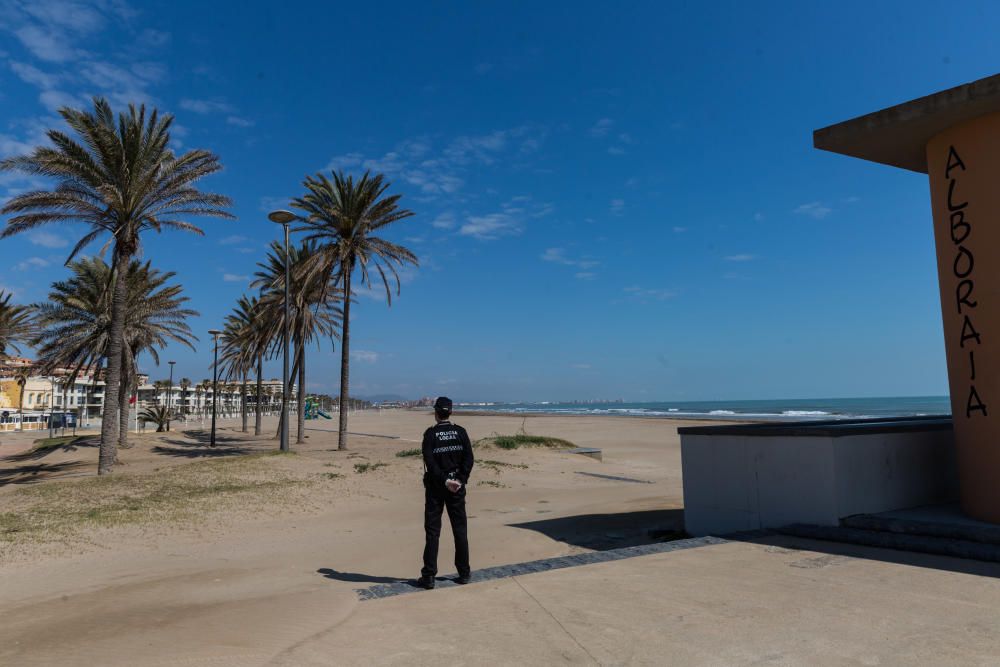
pixel 283 218
pixel 170 392
pixel 215 382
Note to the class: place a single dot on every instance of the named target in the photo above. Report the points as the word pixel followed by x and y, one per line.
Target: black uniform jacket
pixel 447 453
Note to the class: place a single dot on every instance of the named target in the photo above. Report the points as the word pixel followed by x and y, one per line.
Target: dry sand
pixel 192 556
pixel 273 555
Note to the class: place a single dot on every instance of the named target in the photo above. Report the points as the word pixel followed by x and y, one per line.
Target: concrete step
pixel 971 531
pixel 941 546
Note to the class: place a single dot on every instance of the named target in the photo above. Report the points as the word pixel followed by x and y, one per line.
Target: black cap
pixel 442 404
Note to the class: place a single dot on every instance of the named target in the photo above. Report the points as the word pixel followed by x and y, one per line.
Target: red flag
pixel 131 400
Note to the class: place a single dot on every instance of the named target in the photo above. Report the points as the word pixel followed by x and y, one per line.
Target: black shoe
pixel 463 580
pixel 426 582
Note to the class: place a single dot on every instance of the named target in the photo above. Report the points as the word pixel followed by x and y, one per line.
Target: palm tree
pixel 21 378
pixel 16 323
pixel 185 386
pixel 75 324
pixel 313 309
pixel 158 414
pixel 344 216
pixel 243 348
pixel 120 179
pixel 206 386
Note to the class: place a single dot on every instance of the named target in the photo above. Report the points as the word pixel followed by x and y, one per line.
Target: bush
pixel 524 440
pixel 366 467
pixel 409 452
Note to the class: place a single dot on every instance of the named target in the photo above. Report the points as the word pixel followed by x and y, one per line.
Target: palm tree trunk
pixel 243 402
pixel 345 352
pixel 301 437
pixel 256 406
pixel 20 409
pixel 112 378
pixel 126 386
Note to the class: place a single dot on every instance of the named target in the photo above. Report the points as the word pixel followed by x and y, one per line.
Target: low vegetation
pixel 491 482
pixel 368 467
pixel 62 511
pixel 519 440
pixel 497 465
pixel 409 452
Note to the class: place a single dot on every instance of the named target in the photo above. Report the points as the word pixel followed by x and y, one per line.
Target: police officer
pixel 447 462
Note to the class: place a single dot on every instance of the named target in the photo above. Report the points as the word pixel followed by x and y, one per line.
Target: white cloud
pixel 32 263
pixel 757 217
pixel 239 121
pixel 558 256
pixel 617 206
pixel 680 230
pixel 235 278
pixel 366 356
pixel 444 221
pixel 205 106
pixel 584 275
pixel 47 45
pixel 616 150
pixel 490 227
pixel 814 209
pixel 47 240
pixel 645 294
pixel 233 240
pixel 741 258
pixel 33 75
pixel 53 100
pixel 601 127
pixel 442 172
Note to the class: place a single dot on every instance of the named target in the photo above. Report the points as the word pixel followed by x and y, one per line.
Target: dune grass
pixel 519 440
pixel 368 467
pixel 57 511
pixel 409 452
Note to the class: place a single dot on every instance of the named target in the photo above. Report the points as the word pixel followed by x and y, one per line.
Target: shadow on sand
pixel 39 472
pixel 38 453
pixel 602 532
pixel 357 578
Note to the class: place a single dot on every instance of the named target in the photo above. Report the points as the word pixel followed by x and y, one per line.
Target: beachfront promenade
pixel 267 571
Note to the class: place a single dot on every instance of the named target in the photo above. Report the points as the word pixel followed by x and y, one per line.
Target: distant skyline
pixel 610 202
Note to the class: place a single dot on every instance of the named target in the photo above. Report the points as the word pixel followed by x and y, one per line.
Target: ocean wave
pixel 721 412
pixel 805 413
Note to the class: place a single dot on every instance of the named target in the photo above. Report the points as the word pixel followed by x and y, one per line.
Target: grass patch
pixel 523 440
pixel 495 466
pixel 368 467
pixel 409 452
pixel 59 511
pixel 332 475
pixel 491 482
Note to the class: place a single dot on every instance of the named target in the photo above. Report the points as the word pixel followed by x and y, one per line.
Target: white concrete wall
pixel 741 482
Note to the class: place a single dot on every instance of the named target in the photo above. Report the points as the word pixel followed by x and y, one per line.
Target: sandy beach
pixel 235 556
pixel 246 571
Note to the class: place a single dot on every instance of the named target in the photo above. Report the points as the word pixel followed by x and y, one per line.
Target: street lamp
pixel 283 218
pixel 215 381
pixel 170 392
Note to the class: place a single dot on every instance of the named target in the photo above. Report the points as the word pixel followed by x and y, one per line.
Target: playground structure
pixel 313 410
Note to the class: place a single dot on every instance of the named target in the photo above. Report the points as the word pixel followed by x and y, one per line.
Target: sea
pixel 795 409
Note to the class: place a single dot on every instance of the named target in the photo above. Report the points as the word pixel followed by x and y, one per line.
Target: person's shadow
pixel 358 578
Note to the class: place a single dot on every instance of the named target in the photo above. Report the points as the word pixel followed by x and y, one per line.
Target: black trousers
pixel 434 504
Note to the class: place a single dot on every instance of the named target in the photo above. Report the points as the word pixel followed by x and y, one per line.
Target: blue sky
pixel 610 201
